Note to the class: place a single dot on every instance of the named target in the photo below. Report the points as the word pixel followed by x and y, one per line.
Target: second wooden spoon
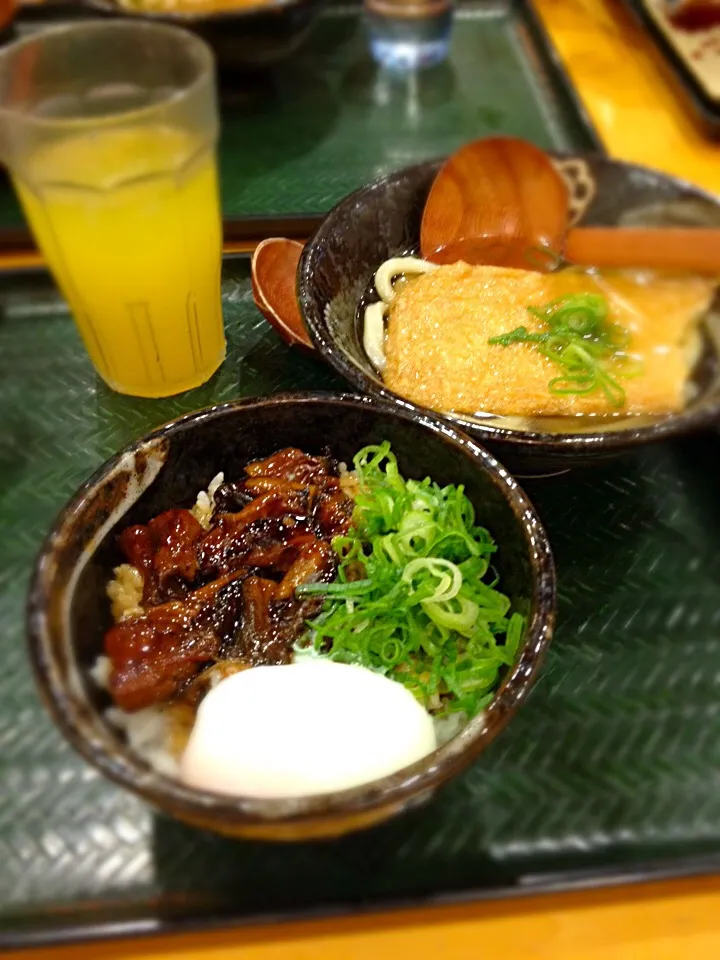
pixel 690 249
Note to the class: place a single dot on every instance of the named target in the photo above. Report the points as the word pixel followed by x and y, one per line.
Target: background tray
pixel 329 121
pixel 610 772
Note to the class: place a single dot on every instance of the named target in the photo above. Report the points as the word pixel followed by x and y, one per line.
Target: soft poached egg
pixel 304 728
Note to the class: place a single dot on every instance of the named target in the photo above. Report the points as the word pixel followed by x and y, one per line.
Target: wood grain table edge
pixel 663 921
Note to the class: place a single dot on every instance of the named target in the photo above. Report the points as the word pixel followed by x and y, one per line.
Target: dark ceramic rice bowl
pixel 69 612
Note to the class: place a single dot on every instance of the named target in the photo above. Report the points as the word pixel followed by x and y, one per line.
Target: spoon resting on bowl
pixel 273 271
pixel 498 202
pixel 504 190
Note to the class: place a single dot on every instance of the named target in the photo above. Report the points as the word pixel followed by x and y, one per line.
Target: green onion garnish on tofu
pixel 583 342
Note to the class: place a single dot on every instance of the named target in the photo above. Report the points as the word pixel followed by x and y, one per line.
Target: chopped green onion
pixel 426 611
pixel 351 589
pixel 583 342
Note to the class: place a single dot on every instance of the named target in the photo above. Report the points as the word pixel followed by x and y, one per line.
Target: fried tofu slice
pixel 439 325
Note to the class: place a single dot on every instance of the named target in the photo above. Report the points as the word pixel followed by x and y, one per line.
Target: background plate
pixel 699 50
pixel 610 772
pixel 691 61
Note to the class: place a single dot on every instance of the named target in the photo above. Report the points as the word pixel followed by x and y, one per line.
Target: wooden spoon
pixel 499 187
pixel 273 272
pixel 503 251
pixel 672 249
pixel 503 187
pixel 692 249
pixel 511 225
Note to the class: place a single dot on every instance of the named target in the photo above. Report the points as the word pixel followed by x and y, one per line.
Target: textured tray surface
pixel 614 760
pixel 329 121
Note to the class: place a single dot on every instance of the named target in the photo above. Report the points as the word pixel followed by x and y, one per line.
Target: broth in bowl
pixel 496 341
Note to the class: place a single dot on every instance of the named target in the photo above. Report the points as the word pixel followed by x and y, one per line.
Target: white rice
pixel 125 592
pixel 148 734
pixel 100 672
pixel 147 731
pixel 205 503
pixel 348 481
pixel 448 727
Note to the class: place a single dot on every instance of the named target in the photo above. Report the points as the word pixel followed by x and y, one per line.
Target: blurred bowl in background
pixel 243 37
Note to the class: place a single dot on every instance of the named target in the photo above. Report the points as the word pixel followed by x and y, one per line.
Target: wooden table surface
pixel 639 118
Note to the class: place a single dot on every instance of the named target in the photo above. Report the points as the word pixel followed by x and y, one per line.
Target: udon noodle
pixel 375 313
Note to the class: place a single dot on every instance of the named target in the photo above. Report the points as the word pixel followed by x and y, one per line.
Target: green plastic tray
pixel 293 144
pixel 610 772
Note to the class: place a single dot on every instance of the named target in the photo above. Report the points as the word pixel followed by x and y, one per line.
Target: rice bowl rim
pixel 64 683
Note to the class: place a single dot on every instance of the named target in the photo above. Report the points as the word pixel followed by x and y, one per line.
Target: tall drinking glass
pixel 109 131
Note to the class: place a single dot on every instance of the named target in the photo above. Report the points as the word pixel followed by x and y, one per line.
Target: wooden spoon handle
pixel 695 249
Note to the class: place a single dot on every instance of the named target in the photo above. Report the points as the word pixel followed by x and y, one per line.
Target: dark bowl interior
pixel 382 220
pixel 69 612
pixel 244 39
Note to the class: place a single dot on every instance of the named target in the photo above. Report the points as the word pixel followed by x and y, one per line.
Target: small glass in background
pixel 409 34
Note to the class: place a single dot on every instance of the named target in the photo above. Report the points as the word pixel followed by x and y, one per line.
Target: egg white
pixel 303 729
